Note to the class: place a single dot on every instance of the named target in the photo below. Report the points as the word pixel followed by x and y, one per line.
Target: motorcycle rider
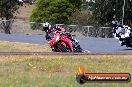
pixel 122 33
pixel 51 29
pixel 117 28
pixel 46 28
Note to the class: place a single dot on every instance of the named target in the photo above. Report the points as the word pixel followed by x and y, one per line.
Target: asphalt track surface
pixel 91 44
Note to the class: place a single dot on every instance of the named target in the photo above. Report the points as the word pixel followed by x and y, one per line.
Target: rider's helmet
pixel 114 24
pixel 46 26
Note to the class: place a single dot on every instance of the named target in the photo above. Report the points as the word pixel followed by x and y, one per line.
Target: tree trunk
pixel 6 25
pixel 7 31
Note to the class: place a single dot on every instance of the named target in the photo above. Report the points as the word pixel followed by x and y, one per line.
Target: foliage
pixel 105 10
pixel 82 18
pixel 8 8
pixel 55 11
pixel 76 3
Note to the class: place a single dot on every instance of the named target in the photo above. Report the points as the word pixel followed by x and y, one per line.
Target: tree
pixel 55 11
pixel 82 18
pixel 128 12
pixel 76 3
pixel 105 10
pixel 7 9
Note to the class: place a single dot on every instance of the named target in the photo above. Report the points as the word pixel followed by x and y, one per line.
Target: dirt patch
pixel 24 12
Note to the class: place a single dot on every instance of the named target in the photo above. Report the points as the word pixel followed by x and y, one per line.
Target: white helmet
pixel 46 26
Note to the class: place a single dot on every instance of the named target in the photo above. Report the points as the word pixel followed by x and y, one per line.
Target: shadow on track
pixel 128 49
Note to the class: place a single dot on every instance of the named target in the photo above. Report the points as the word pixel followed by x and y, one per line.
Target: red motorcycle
pixel 60 42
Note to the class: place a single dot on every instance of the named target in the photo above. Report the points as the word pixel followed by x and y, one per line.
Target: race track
pixel 87 43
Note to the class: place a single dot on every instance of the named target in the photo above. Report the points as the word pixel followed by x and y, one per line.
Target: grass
pixel 55 71
pixel 6 46
pixel 59 71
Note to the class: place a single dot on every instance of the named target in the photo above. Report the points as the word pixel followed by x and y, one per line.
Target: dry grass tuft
pixel 49 70
pixel 6 46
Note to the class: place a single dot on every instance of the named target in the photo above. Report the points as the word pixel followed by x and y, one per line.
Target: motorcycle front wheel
pixel 62 48
pixel 78 49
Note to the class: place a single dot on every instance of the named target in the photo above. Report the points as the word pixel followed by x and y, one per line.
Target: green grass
pixel 59 71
